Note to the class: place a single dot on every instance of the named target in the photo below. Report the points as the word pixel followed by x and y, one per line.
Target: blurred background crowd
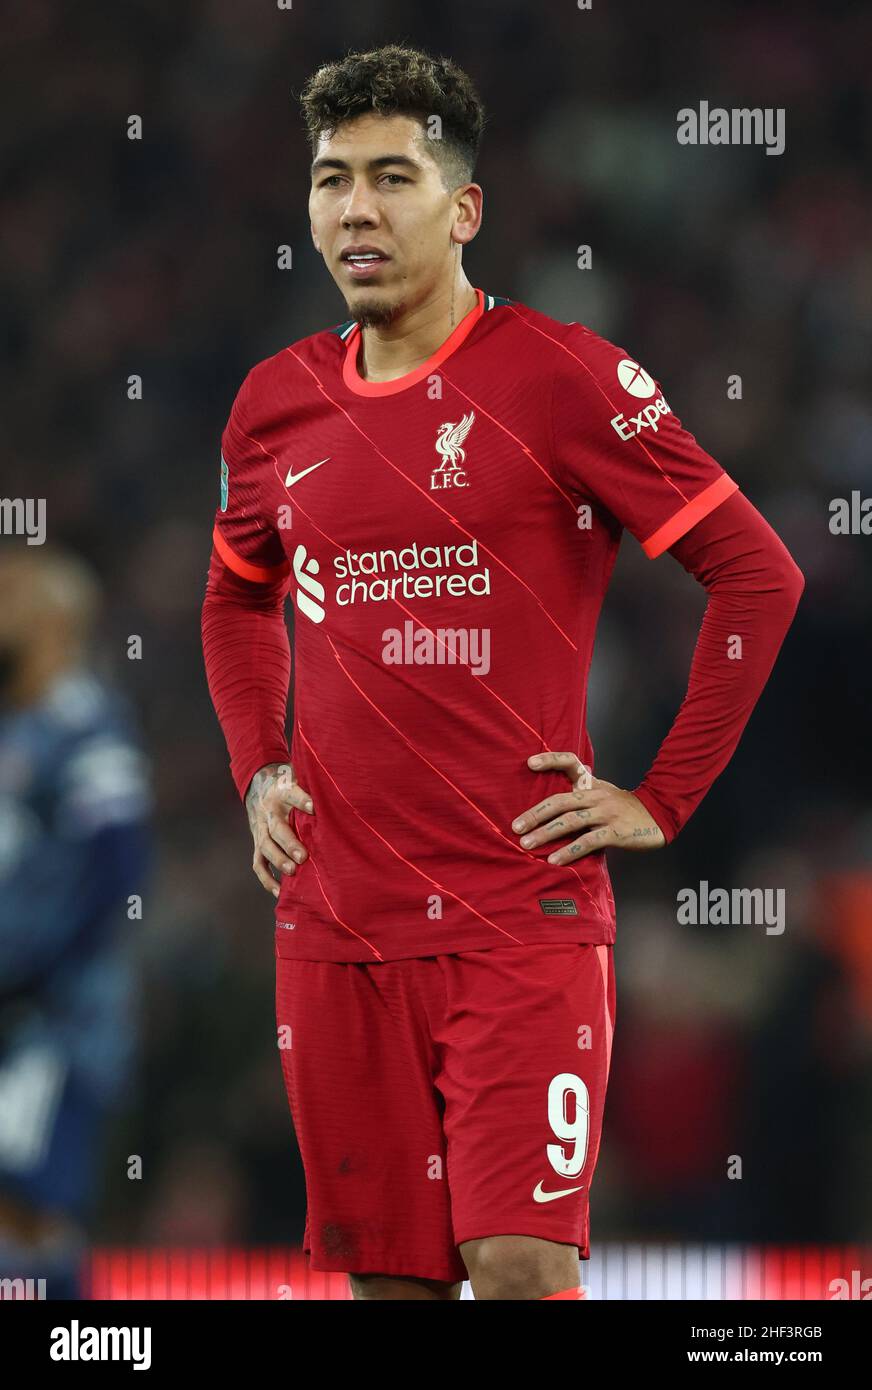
pixel 158 258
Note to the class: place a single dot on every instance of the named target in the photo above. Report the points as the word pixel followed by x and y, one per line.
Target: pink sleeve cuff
pixel 688 515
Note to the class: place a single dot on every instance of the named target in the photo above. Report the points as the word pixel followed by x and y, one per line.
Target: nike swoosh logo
pixel 295 477
pixel 540 1196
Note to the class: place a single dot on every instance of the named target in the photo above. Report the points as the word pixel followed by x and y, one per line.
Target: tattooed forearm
pixel 260 783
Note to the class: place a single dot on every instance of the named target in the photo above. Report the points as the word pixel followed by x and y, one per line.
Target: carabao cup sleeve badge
pixel 225 484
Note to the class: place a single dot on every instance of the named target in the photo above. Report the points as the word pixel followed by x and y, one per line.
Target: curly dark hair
pixel 399 80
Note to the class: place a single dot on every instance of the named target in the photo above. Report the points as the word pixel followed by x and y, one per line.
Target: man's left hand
pixel 608 815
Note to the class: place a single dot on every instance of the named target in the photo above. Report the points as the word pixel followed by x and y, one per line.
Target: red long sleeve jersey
pixel 447 538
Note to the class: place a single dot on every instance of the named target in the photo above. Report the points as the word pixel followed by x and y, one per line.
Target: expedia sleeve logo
pixel 639 383
pixel 635 379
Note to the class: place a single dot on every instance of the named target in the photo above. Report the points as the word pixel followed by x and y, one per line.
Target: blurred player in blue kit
pixel 74 847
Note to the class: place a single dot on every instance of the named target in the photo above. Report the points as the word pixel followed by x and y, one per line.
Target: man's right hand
pixel 272 794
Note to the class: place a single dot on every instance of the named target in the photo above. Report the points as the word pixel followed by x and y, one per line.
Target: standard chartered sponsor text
pixel 412 571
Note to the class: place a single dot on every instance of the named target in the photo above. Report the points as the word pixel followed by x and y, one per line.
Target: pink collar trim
pixel 361 387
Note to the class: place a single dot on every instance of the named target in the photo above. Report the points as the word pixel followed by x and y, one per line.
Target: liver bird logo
pixel 449 442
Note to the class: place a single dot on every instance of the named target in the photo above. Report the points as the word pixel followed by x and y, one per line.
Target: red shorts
pixel 441 1099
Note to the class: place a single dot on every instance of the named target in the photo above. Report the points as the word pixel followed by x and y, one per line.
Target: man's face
pixel 376 188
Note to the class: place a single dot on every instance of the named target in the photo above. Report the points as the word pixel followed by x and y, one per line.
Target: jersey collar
pixel 361 387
